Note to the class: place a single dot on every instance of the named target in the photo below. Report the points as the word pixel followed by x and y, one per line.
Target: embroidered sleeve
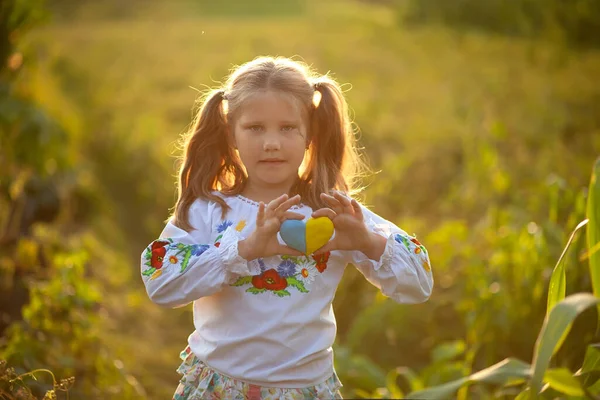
pixel 403 271
pixel 181 267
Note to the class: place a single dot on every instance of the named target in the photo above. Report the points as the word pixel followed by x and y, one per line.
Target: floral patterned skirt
pixel 200 382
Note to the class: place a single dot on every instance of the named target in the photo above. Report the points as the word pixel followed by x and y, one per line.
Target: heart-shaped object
pixel 306 237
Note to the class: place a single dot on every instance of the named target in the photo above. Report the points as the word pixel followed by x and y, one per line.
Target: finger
pixel 358 210
pixel 333 203
pixel 283 207
pixel 324 212
pixel 292 215
pixel 345 201
pixel 272 206
pixel 329 246
pixel 260 217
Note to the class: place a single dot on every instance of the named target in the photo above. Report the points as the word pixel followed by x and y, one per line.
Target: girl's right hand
pixel 263 241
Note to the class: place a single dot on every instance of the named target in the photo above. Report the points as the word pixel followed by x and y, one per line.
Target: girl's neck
pixel 264 194
pixel 266 197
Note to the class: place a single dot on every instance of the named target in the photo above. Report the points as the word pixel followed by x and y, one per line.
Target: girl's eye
pixel 255 128
pixel 288 128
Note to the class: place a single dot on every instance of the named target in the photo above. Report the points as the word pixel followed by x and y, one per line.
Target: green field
pixel 483 145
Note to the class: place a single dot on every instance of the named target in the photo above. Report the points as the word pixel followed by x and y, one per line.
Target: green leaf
pixel 594 388
pixel 591 365
pixel 557 288
pixel 364 372
pixel 282 293
pixel 148 271
pixel 524 395
pixel 593 229
pixel 186 260
pixel 591 251
pixel 555 325
pixel 392 378
pixel 503 371
pixel 363 394
pixel 562 380
pixel 591 361
pixel 413 379
pixel 405 241
pixel 294 282
pixel 496 374
pixel 243 280
pixel 254 290
pixel 392 386
pixel 448 351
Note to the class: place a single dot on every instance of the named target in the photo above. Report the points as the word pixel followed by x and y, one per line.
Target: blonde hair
pixel 210 162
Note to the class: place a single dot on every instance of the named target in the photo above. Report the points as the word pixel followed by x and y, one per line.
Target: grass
pixel 455 122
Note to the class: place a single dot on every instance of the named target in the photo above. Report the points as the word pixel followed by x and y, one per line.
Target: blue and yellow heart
pixel 309 236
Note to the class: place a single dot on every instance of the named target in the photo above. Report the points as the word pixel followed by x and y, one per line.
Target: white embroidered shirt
pixel 269 321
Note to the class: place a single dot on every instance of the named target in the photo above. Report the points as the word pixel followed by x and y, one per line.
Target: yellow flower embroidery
pixel 241 225
pixel 426 266
pixel 156 274
pixel 173 260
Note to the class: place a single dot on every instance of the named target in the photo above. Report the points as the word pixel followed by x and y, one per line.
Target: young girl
pixel 274 144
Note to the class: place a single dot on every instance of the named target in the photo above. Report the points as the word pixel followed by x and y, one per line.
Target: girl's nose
pixel 271 143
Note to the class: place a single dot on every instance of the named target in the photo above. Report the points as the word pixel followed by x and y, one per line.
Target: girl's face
pixel 271 138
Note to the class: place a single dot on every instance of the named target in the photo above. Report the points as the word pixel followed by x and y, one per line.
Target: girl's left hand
pixel 351 232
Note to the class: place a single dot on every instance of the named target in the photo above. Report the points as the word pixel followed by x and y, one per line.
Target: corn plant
pixel 536 379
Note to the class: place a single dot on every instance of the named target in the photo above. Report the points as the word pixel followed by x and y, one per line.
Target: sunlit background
pixel 481 120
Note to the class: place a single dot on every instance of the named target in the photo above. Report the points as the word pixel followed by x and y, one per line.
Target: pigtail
pixel 332 157
pixel 209 160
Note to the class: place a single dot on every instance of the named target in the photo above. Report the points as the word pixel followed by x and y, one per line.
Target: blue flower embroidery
pixel 287 268
pixel 198 249
pixel 411 243
pixel 402 239
pixel 224 225
pixel 263 267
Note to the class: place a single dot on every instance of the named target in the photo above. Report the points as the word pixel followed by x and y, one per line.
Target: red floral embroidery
pixel 179 255
pixel 322 261
pixel 418 248
pixel 269 280
pixel 158 254
pixel 159 243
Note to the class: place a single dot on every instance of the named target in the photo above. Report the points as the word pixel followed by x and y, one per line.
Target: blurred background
pixel 482 120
